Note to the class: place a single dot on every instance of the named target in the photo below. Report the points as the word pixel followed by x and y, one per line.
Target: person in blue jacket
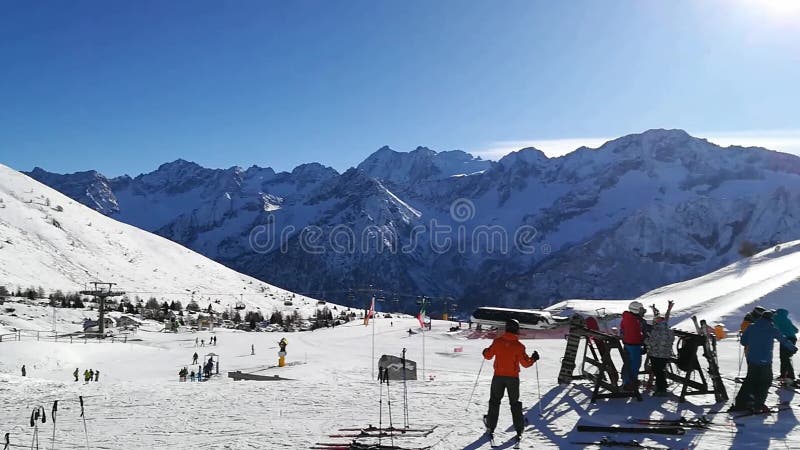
pixel 758 340
pixel 787 328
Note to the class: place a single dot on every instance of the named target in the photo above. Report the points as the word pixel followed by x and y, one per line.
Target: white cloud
pixel 787 141
pixel 550 147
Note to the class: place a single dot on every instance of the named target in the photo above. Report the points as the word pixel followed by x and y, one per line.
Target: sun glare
pixel 781 9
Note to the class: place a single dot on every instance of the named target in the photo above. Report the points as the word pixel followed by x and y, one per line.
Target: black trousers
pixel 499 386
pixel 659 367
pixel 755 387
pixel 787 370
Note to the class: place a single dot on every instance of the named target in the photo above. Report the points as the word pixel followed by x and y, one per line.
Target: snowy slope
pixel 769 278
pixel 139 404
pixel 50 240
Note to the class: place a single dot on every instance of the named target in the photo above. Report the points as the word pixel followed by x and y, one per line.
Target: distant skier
pixel 282 344
pixel 252 349
pixel 508 353
pixel 75 374
pixel 659 344
pixel 194 358
pixel 633 339
pixel 196 341
pixel 23 370
pixel 191 376
pixel 86 376
pixel 758 341
pixel 202 342
pixel 788 330
pixel 96 376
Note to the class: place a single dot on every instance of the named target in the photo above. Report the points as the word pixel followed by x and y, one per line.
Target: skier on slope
pixel 758 341
pixel 632 338
pixel 75 374
pixel 508 353
pixel 788 330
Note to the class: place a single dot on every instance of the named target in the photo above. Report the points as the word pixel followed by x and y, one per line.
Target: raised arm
pixel 670 304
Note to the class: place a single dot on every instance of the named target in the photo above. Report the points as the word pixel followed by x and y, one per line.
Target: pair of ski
pixel 362 446
pixel 647 429
pixel 772 409
pixel 375 432
pixel 494 443
pixel 606 442
pixel 685 422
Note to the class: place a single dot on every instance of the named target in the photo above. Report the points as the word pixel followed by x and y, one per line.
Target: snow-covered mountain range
pixel 639 212
pixel 51 241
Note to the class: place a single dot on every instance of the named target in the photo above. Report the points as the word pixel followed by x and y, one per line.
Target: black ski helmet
pixel 512 326
pixel 768 314
pixel 757 312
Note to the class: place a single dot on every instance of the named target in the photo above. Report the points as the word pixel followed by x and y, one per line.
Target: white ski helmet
pixel 636 307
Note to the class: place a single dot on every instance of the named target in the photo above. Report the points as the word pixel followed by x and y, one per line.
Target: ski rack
pixel 690 386
pixel 598 347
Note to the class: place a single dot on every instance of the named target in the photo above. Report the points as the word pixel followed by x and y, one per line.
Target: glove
pixel 535 356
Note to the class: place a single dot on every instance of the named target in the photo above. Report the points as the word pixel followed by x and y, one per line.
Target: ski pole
pixel 539 389
pixel 53 418
pixel 85 431
pixel 389 403
pixel 483 360
pixel 380 404
pixel 739 373
pixel 405 393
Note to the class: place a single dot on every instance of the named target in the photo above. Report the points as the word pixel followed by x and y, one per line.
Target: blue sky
pixel 125 86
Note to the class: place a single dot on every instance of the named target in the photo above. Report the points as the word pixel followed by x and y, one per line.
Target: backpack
pixel 687 355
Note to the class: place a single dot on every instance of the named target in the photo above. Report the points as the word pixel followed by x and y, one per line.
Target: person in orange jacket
pixel 508 353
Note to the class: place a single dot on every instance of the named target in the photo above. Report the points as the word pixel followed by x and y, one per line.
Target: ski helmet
pixel 768 314
pixel 636 307
pixel 512 326
pixel 758 311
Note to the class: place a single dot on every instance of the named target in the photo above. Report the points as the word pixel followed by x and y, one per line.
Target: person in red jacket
pixel 508 353
pixel 632 338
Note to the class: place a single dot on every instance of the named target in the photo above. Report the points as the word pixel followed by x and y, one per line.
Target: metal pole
pixel 373 336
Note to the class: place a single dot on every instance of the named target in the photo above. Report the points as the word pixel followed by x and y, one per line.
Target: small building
pixel 91 326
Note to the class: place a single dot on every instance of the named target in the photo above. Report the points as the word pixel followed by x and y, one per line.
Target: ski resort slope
pixel 770 278
pixel 50 240
pixel 139 403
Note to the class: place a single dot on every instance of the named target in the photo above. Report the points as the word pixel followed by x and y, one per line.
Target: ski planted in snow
pixel 674 430
pixel 606 442
pixel 710 348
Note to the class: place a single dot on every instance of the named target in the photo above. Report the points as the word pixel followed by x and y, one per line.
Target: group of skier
pixel 759 331
pixel 88 375
pixel 202 342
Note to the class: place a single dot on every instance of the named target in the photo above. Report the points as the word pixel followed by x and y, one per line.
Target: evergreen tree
pixel 193 306
pixel 4 292
pixel 40 293
pixel 237 318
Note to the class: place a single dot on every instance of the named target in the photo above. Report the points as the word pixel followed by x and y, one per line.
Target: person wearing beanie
pixel 509 354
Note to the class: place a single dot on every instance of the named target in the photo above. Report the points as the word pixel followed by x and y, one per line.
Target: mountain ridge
pixel 585 197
